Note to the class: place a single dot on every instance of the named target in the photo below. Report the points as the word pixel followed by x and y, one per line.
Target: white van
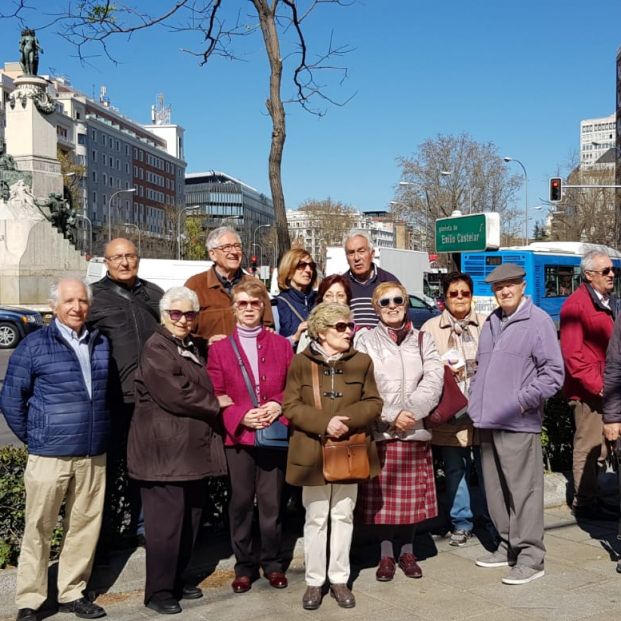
pixel 165 273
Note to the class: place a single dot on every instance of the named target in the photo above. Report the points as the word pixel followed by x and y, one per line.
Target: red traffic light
pixel 254 259
pixel 556 189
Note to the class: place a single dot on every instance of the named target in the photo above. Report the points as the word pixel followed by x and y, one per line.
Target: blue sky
pixel 519 74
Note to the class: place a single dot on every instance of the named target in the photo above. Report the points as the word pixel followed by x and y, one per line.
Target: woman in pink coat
pixel 255 471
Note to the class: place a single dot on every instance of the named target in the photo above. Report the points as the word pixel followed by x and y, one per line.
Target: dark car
pixel 16 323
pixel 420 311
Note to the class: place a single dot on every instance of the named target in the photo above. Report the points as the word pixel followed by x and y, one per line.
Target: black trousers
pixel 260 473
pixel 172 516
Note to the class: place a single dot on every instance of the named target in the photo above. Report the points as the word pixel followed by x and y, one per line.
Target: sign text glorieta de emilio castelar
pixel 480 231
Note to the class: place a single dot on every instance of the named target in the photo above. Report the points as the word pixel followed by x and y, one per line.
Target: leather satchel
pixel 345 459
pixel 452 402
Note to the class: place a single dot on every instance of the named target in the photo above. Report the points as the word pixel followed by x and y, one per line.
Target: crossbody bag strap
pixel 315 376
pixel 295 312
pixel 244 372
pixel 121 292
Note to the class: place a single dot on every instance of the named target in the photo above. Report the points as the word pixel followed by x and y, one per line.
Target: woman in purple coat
pixel 253 470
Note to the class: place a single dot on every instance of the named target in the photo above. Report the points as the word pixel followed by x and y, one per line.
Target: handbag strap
pixel 315 376
pixel 244 372
pixel 293 310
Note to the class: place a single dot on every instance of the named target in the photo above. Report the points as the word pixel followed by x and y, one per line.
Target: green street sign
pixel 479 231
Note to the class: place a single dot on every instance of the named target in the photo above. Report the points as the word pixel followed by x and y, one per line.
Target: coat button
pixel 262 359
pixel 263 378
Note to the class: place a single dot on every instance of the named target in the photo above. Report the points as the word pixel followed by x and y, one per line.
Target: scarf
pixel 398 334
pixel 462 339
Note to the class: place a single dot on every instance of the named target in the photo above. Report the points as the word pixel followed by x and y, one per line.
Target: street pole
pixel 254 235
pixel 512 159
pixel 90 229
pixel 129 190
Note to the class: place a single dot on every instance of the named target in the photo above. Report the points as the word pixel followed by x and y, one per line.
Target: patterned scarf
pixel 462 339
pixel 398 334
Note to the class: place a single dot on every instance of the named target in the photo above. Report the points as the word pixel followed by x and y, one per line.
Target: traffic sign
pixel 479 231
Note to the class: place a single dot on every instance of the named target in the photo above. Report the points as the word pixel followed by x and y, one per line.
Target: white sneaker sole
pixel 481 563
pixel 508 580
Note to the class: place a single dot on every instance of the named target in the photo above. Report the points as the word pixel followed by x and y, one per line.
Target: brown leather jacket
pixel 216 313
pixel 351 383
pixel 175 433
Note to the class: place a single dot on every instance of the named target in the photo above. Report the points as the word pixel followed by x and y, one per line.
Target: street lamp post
pixel 129 190
pixel 254 235
pixel 90 229
pixel 138 229
pixel 260 252
pixel 181 212
pixel 427 212
pixel 512 159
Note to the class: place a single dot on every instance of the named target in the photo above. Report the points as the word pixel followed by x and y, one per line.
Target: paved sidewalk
pixel 580 583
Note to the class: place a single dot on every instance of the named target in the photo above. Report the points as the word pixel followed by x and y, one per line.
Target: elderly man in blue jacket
pixel 519 366
pixel 54 399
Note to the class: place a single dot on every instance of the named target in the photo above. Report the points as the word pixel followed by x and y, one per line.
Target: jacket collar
pixel 316 357
pixel 300 297
pixel 521 314
pixel 472 318
pixel 595 299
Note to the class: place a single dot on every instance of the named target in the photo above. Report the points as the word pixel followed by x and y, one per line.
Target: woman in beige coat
pixel 456 335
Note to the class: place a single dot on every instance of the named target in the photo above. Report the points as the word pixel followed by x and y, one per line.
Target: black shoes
pixel 168 606
pixel 26 614
pixel 83 608
pixel 190 591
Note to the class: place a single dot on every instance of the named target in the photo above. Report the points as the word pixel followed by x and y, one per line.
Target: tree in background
pixel 282 24
pixel 194 244
pixel 328 222
pixel 455 172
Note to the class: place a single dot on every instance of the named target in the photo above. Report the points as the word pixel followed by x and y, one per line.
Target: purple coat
pixel 275 355
pixel 519 366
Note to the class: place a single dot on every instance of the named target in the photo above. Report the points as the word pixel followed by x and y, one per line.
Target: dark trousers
pixel 256 473
pixel 172 516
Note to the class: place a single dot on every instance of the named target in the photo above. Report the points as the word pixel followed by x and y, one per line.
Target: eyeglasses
pixel 456 294
pixel 229 247
pixel 130 257
pixel 254 304
pixel 302 265
pixel 176 315
pixel 341 326
pixel 603 272
pixel 397 301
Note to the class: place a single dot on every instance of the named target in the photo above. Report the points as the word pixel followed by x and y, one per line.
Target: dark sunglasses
pixel 603 272
pixel 397 301
pixel 254 304
pixel 176 315
pixel 341 326
pixel 302 265
pixel 456 294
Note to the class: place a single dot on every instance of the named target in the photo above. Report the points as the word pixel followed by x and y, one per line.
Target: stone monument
pixel 32 252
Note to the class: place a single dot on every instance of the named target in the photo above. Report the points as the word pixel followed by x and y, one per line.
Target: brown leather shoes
pixel 241 584
pixel 343 596
pixel 386 569
pixel 312 598
pixel 410 567
pixel 277 580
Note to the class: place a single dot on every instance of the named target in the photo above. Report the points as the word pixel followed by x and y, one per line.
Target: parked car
pixel 16 323
pixel 420 310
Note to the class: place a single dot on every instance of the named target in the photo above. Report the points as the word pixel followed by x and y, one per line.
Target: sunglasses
pixel 397 301
pixel 456 294
pixel 302 265
pixel 341 326
pixel 176 315
pixel 254 304
pixel 603 272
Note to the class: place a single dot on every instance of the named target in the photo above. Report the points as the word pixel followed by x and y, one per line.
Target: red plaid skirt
pixel 405 490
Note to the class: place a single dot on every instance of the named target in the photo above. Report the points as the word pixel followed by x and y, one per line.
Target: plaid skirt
pixel 405 490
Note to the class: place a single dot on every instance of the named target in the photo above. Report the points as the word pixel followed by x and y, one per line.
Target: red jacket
pixel 275 355
pixel 586 328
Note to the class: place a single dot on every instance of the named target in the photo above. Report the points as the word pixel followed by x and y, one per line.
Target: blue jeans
pixel 457 466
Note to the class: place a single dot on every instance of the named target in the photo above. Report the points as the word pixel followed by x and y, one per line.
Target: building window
pixel 81 138
pixel 95 176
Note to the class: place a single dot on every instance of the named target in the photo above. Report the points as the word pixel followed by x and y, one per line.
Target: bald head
pixel 122 261
pixel 70 300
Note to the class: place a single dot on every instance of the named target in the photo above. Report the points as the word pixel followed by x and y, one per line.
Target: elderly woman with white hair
pixel 174 445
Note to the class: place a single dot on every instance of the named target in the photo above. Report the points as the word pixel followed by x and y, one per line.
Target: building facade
pixel 596 137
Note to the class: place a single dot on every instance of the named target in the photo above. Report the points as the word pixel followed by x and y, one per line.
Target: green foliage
pixel 195 240
pixel 557 434
pixel 100 13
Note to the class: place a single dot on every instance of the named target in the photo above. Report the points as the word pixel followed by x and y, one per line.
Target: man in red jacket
pixel 587 320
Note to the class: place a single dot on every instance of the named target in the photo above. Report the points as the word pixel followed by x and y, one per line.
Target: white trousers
pixel 331 504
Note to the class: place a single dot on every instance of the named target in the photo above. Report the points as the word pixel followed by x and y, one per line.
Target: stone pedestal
pixel 31 137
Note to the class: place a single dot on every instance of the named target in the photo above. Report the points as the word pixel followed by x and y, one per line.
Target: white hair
pixel 178 294
pixel 55 286
pixel 588 261
pixel 213 239
pixel 357 233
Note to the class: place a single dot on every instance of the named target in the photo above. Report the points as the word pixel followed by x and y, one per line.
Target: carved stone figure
pixel 29 49
pixel 7 162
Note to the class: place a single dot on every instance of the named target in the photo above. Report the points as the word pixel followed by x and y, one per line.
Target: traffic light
pixel 556 189
pixel 253 264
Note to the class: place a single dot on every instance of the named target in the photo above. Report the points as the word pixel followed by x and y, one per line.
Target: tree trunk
pixel 277 113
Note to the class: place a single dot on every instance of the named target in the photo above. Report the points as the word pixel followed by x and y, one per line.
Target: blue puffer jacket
pixel 302 302
pixel 44 397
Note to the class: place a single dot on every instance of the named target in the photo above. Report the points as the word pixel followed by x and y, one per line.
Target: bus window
pixel 561 280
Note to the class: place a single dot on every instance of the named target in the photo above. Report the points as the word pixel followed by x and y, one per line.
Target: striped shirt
pixel 362 293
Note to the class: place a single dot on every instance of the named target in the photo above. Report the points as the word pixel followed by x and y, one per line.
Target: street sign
pixel 479 231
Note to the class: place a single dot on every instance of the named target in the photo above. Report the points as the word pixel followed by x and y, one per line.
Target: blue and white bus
pixel 552 272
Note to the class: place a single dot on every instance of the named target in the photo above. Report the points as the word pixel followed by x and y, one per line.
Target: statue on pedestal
pixel 29 49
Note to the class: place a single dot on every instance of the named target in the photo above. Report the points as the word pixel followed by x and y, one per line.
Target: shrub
pixel 557 434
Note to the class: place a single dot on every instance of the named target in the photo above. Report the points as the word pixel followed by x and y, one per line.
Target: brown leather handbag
pixel 345 460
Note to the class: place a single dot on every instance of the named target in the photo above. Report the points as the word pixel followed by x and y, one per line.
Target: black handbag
pixel 276 436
